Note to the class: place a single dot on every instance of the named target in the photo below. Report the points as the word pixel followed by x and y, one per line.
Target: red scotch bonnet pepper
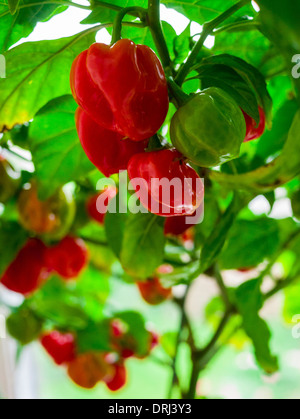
pixel 165 184
pixel 122 88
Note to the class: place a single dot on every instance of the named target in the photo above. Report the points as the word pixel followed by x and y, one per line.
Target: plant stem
pixel 117 29
pixel 154 24
pixel 207 30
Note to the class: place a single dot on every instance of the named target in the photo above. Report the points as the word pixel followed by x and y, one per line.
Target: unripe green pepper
pixel 209 128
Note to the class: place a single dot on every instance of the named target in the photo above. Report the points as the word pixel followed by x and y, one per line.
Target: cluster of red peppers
pixel 35 263
pixel 89 368
pixel 123 99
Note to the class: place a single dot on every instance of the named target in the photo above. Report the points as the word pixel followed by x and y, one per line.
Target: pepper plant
pixel 154 104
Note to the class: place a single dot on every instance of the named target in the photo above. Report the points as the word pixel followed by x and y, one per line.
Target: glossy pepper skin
pixel 146 170
pixel 60 346
pixel 209 128
pixel 27 272
pixel 67 258
pixel 122 87
pixel 106 149
pixel 254 131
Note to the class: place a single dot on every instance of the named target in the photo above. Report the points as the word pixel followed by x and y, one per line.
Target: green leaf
pixel 249 300
pixel 36 73
pixel 143 36
pixel 181 45
pixel 280 171
pixel 229 80
pixel 143 244
pixel 13 5
pixel 280 23
pixel 249 243
pixel 214 244
pixel 56 150
pixel 205 10
pixel 95 337
pixel 273 141
pixel 102 14
pixel 12 239
pixel 24 325
pixel 136 331
pixel 291 306
pixel 19 17
pixel 250 46
pixel 115 226
pixel 168 343
pixel 252 77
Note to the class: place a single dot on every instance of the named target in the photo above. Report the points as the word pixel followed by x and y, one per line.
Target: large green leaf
pixel 213 245
pixel 143 244
pixel 249 243
pixel 278 172
pixel 36 73
pixel 12 239
pixel 19 17
pixel 249 301
pixel 280 23
pixel 56 150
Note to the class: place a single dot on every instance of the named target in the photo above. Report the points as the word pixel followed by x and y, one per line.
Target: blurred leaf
pixel 56 150
pixel 13 5
pixel 214 244
pixel 168 343
pixel 24 325
pixel 115 226
pixel 249 300
pixel 95 337
pixel 249 243
pixel 136 331
pixel 281 25
pixel 143 244
pixel 291 306
pixel 12 239
pixel 35 76
pixel 273 141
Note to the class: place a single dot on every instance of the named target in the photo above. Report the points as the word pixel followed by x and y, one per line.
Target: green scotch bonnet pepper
pixel 209 128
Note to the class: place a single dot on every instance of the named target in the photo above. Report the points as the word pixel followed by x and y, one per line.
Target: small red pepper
pixel 165 184
pixel 67 258
pixel 61 347
pixel 254 131
pixel 122 87
pixel 27 272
